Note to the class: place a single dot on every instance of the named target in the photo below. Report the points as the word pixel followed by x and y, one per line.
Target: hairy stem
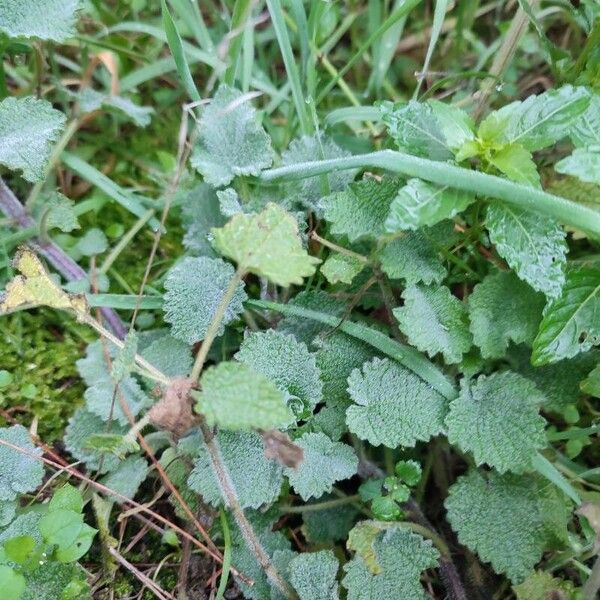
pixel 340 249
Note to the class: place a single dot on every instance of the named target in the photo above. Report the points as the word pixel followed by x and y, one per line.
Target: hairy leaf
pixel 435 321
pixel 583 164
pixel 313 575
pixel 91 100
pixel 585 131
pixel 541 585
pixel 168 354
pixel 497 419
pixel 341 268
pixel 230 140
pixel 328 525
pixel 127 477
pixel 392 405
pixel 53 581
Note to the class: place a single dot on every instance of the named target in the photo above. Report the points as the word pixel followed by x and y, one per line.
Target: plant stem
pixel 325 505
pixel 568 212
pixel 231 501
pixel 213 328
pixel 315 236
pixel 226 556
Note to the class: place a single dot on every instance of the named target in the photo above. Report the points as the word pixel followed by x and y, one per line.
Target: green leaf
pixel 328 525
pixel 28 128
pixel 57 581
pixel 585 131
pixel 12 583
pixel 393 406
pixel 570 324
pixel 194 289
pixel 168 354
pixel 502 309
pixel 66 498
pixel 325 462
pixel 591 385
pixel 497 419
pixel 230 141
pixel 266 244
pixel 244 457
pixel 456 125
pixel 125 358
pixel 533 247
pixel 65 529
pixel 43 19
pixel 313 575
pixel 509 520
pixel 91 100
pixel 59 213
pixel 517 164
pixel 92 243
pixel 401 556
pixel 538 121
pixel 541 585
pixel 435 321
pixel 288 364
pixel 127 477
pixel 420 203
pixel 19 549
pixel 360 211
pixel 20 471
pixel 341 268
pixel 235 396
pixel 583 164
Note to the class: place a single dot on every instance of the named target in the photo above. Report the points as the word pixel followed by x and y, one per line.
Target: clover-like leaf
pixel 509 520
pixel 267 244
pixel 194 288
pixel 235 396
pixel 230 141
pixel 435 321
pixel 313 575
pixel 325 462
pixel 393 406
pixel 497 419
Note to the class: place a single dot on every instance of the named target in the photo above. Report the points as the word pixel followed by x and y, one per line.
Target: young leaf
pixel 91 100
pixel 43 19
pixel 583 164
pixel 20 472
pixel 325 462
pixel 244 457
pixel 457 125
pixel 230 140
pixel 288 364
pixel 541 585
pixel 420 203
pixel 341 268
pixel 517 164
pixel 235 396
pixel 435 321
pixel 534 247
pixel 194 288
pixel 502 309
pixel 497 419
pixel 393 406
pixel 400 556
pixel 509 520
pixel 266 244
pixel 313 575
pixel 58 213
pixel 360 211
pixel 13 584
pixel 570 324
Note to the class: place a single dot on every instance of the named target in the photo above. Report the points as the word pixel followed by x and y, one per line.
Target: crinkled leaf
pixel 541 585
pixel 230 141
pixel 20 471
pixel 571 323
pixel 288 364
pixel 266 244
pixel 127 477
pixel 533 246
pixel 329 525
pixel 194 288
pixel 313 575
pixel 392 405
pixel 92 100
pixel 497 419
pixel 435 321
pixel 509 520
pixel 229 202
pixel 58 213
pixel 360 211
pixel 330 420
pixel 341 268
pixel 125 358
pixel 420 203
pixel 325 462
pixel 583 164
pixel 168 354
pixel 235 396
pixel 244 457
pixel 57 581
pixel 585 131
pixel 503 309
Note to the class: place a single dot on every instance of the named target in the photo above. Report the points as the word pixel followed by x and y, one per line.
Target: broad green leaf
pixel 12 583
pixel 497 419
pixel 66 498
pixel 127 477
pixel 330 420
pixel 328 525
pixel 235 396
pixel 571 323
pixel 585 131
pixel 503 309
pixel 8 509
pixel 28 127
pixel 541 585
pixel 230 141
pixel 25 524
pixel 591 385
pixel 93 242
pixel 401 556
pixel 168 354
pixel 19 549
pixel 325 462
pixel 313 575
pixel 538 121
pixel 360 211
pixel 341 268
pixel 517 164
pixel 194 288
pixel 288 364
pixel 43 19
pixel 256 479
pixel 266 244
pixel 583 164
pixel 534 247
pixel 57 581
pixel 456 125
pixel 65 529
pixel 435 321
pixel 91 100
pixel 420 203
pixel 508 520
pixel 393 406
pixel 21 471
